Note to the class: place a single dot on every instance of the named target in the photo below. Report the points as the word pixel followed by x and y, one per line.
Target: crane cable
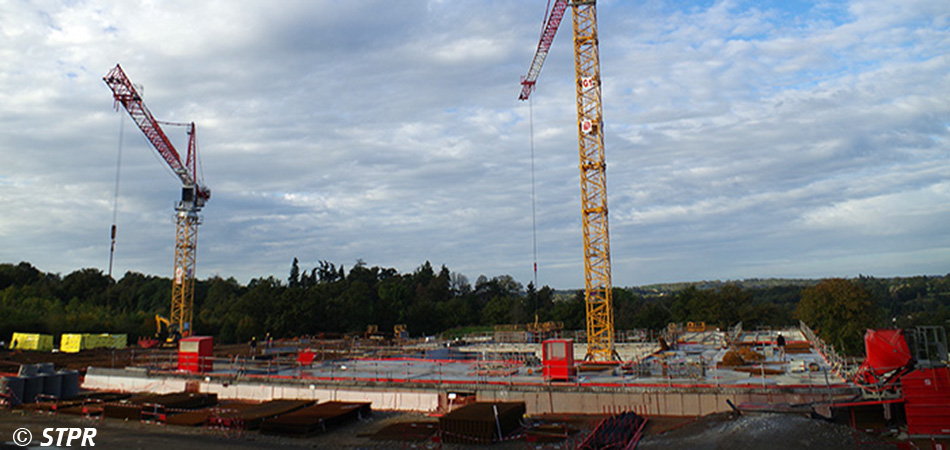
pixel 115 200
pixel 534 216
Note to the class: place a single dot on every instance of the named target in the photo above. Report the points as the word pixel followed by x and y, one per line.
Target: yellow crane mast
pixel 593 167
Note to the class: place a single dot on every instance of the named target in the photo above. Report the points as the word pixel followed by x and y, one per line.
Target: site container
pixel 927 401
pixel 195 354
pixel 557 358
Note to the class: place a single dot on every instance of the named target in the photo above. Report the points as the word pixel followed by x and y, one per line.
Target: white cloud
pixel 742 139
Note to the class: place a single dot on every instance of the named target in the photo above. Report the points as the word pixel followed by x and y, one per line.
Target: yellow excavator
pixel 166 334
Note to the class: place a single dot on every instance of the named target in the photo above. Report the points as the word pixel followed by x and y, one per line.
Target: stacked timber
pixel 482 422
pixel 316 418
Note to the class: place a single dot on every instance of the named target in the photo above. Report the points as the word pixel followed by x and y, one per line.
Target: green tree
pixel 839 311
pixel 294 279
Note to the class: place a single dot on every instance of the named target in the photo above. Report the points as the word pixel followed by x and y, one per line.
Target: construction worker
pixel 253 345
pixel 780 342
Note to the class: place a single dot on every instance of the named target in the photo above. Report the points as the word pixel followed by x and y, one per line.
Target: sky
pixel 744 139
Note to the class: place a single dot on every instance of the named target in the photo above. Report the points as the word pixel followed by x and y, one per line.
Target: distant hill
pixel 661 289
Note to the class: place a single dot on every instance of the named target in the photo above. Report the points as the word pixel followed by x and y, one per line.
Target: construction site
pixel 522 386
pixel 496 390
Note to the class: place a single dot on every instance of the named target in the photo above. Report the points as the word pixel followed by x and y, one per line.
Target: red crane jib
pixel 547 37
pixel 126 95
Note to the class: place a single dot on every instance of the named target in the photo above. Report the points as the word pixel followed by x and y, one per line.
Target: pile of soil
pixel 742 356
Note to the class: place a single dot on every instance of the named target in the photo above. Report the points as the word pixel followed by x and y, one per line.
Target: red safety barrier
pixel 620 431
pixel 48 400
pixel 225 421
pixel 153 413
pixel 92 410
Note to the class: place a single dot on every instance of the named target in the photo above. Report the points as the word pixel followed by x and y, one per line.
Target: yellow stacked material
pixel 119 341
pixel 32 341
pixel 97 340
pixel 71 343
pixel 88 341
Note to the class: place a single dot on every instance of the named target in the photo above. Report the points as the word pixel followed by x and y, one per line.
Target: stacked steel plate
pixel 482 422
pixel 316 418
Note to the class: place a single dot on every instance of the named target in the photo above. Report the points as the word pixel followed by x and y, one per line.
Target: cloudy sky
pixel 743 138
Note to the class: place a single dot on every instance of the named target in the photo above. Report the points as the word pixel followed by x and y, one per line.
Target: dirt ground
pixel 114 433
pixel 718 431
pixel 771 431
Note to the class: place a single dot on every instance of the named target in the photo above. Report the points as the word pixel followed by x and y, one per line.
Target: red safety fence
pixel 622 431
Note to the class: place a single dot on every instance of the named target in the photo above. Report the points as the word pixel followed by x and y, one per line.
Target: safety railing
pixel 843 367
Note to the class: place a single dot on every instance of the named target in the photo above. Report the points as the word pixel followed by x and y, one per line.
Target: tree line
pixel 328 298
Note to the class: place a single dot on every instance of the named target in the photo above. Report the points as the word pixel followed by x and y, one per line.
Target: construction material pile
pixel 482 422
pixel 742 356
pixel 155 404
pixel 316 418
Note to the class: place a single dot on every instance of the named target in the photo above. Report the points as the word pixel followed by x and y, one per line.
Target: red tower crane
pixel 194 195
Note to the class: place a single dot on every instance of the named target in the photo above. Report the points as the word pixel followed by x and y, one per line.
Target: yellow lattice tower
pixel 590 135
pixel 183 293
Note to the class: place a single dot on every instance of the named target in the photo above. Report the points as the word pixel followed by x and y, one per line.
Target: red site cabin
pixel 195 354
pixel 557 358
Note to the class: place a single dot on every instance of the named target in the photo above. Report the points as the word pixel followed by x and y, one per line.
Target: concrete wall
pixel 665 403
pixel 428 398
pixel 382 399
pixel 130 381
pixel 397 400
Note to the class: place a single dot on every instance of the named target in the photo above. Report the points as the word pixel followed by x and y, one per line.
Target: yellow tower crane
pixel 593 168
